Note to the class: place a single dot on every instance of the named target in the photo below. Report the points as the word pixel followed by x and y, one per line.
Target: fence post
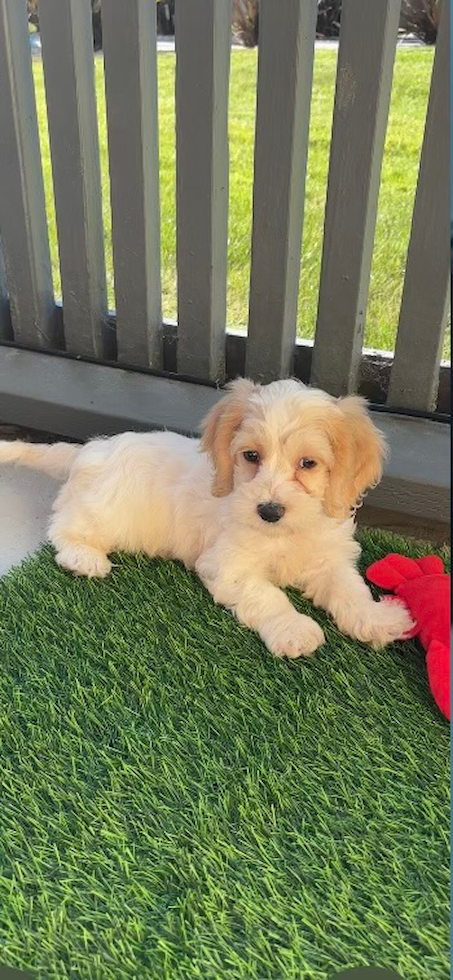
pixel 203 42
pixel 130 59
pixel 67 44
pixel 6 330
pixel 285 75
pixel 423 317
pixel 366 55
pixel 22 206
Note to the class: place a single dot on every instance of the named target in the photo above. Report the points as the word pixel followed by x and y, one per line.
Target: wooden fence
pixel 93 343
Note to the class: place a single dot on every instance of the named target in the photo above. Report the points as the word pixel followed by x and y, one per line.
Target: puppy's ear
pixel 359 453
pixel 218 429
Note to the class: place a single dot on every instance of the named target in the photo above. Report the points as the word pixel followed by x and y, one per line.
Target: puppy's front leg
pixel 339 589
pixel 262 607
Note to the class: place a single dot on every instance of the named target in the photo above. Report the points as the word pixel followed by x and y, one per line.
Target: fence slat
pixel 203 42
pixel 6 332
pixel 285 70
pixel 129 42
pixel 364 78
pixel 415 373
pixel 67 44
pixel 22 207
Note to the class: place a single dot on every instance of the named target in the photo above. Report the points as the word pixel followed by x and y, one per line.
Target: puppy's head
pixel 286 452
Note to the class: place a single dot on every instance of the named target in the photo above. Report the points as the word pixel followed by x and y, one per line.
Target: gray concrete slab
pixel 26 498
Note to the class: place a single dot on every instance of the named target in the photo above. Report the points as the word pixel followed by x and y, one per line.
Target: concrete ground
pixel 26 498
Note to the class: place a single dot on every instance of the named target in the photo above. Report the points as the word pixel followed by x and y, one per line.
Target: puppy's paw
pixel 383 622
pixel 292 636
pixel 83 560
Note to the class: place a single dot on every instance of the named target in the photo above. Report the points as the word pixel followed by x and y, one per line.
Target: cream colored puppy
pixel 264 501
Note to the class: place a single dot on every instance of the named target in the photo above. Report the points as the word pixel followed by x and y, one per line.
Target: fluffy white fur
pixel 163 494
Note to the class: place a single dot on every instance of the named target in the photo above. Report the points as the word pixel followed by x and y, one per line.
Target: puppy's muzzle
pixel 270 512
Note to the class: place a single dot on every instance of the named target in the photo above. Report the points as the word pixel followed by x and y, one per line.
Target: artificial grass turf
pixel 178 804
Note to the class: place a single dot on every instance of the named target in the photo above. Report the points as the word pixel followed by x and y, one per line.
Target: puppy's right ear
pixel 218 429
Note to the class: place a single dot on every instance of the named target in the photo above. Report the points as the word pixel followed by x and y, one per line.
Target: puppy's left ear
pixel 218 429
pixel 359 453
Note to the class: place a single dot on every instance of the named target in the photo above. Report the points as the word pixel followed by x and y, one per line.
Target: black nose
pixel 270 512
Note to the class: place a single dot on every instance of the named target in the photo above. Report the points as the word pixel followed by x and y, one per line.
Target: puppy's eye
pixel 251 456
pixel 307 464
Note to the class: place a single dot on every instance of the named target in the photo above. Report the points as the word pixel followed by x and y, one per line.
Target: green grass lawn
pixel 409 100
pixel 178 804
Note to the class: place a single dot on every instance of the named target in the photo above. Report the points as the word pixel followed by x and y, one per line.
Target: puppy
pixel 264 501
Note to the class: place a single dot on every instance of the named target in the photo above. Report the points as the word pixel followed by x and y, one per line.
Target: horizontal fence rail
pixel 81 400
pixel 373 382
pixel 199 347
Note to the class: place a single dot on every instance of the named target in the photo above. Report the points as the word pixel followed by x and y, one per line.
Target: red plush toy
pixel 423 585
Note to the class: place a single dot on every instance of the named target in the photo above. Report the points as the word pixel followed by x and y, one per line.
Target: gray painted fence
pixel 362 98
pixel 6 332
pixel 71 108
pixel 423 317
pixel 285 70
pixel 23 226
pixel 199 347
pixel 129 40
pixel 203 30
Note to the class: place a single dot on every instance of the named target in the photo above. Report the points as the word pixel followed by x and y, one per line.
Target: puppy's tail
pixel 56 460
